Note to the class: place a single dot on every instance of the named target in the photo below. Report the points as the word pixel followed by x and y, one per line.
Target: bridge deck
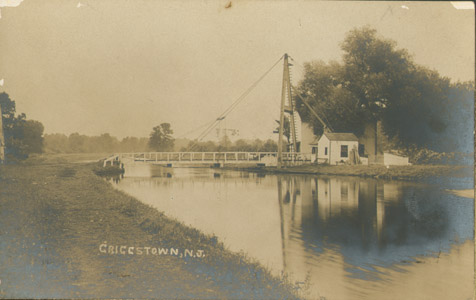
pixel 268 158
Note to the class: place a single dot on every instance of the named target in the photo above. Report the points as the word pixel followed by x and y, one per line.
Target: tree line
pixel 79 143
pixel 378 82
pixel 24 137
pixel 225 145
pixel 160 139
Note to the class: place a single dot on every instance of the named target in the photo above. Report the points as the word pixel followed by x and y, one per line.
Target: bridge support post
pixel 290 109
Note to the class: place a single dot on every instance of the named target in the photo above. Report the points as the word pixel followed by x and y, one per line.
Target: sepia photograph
pixel 237 149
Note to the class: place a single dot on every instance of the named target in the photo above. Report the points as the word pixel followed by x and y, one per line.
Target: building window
pixel 314 150
pixel 325 151
pixel 344 151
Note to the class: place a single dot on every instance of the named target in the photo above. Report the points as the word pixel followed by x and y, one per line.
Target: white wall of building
pixel 322 153
pixel 394 160
pixel 335 196
pixel 307 137
pixel 333 152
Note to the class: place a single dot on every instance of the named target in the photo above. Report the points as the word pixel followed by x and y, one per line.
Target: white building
pixel 338 144
pixel 334 148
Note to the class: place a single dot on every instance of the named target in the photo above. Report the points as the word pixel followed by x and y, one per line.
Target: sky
pixel 123 67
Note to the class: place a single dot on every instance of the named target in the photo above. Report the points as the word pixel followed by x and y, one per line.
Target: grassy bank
pixel 413 172
pixel 64 158
pixel 67 233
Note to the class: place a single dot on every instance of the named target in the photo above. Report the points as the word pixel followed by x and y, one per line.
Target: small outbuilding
pixel 335 148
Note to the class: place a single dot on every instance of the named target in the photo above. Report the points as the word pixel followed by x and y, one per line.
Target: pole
pixel 2 139
pixel 281 116
pixel 291 107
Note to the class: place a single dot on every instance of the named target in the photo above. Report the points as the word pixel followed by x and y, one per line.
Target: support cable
pixel 227 111
pixel 195 129
pixel 313 112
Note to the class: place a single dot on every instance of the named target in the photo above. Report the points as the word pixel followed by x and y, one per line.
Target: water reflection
pixel 371 222
pixel 114 178
pixel 343 237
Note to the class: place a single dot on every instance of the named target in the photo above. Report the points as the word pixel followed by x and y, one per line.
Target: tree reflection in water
pixel 371 223
pixel 347 237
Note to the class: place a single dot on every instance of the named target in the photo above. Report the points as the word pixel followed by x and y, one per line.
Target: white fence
pixel 268 158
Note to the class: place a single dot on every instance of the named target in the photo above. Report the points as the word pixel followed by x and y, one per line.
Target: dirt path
pixel 55 221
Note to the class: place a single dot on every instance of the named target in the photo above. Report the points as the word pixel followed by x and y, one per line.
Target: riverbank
pixel 67 233
pixel 412 172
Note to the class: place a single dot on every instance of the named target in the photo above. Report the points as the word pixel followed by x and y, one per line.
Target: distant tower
pixel 2 139
pixel 286 107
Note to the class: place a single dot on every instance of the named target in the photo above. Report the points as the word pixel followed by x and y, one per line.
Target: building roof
pixel 341 136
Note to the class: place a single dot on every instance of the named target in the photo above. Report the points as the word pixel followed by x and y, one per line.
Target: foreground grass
pixel 54 217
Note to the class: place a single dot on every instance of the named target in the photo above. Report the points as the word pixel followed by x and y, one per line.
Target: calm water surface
pixel 336 237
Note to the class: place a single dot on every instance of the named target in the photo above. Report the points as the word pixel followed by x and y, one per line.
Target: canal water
pixel 335 237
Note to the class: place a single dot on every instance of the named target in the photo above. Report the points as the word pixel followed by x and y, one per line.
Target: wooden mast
pixel 2 138
pixel 289 108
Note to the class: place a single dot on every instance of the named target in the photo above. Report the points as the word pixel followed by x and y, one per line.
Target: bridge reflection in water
pixel 344 238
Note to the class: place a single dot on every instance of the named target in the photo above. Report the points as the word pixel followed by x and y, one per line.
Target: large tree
pixel 22 137
pixel 161 138
pixel 323 88
pixel 31 136
pixel 379 82
pixel 8 113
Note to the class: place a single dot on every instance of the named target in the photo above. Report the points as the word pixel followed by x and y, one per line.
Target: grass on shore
pixel 67 209
pixel 64 158
pixel 411 172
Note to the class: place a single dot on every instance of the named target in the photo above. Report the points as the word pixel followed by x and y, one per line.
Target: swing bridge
pixel 280 158
pixel 171 159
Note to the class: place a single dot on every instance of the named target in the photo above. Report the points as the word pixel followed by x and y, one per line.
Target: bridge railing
pixel 211 157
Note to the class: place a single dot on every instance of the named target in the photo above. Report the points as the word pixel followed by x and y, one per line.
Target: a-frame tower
pixel 287 107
